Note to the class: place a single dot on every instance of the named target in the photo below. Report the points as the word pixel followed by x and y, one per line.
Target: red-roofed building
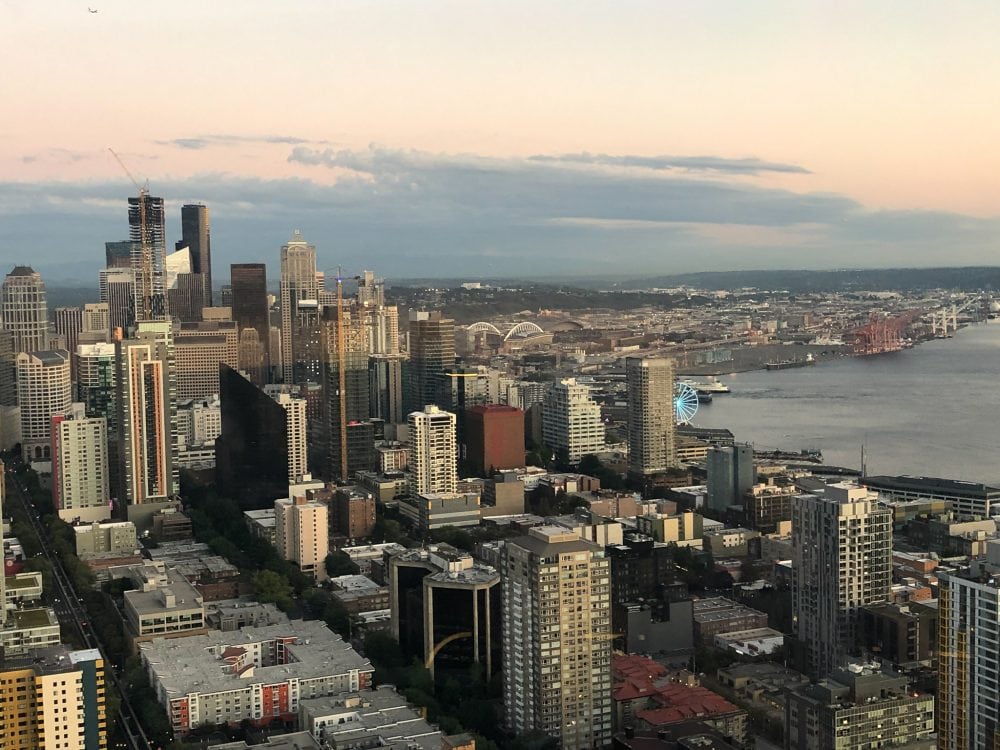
pixel 648 697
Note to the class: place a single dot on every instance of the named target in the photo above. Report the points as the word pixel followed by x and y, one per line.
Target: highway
pixel 71 614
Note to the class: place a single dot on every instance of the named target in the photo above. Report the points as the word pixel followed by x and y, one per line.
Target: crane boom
pixel 145 297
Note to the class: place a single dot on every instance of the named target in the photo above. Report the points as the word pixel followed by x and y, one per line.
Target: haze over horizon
pixel 478 139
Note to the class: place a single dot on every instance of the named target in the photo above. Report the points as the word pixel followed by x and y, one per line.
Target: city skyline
pixel 458 139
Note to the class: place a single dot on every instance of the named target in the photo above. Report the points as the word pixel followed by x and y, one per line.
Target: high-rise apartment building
pixel 53 698
pixel 385 383
pixel 196 235
pixel 494 439
pixel 968 629
pixel 44 390
pixel 148 234
pixel 371 290
pixel 652 441
pixel 557 637
pixel 95 381
pixel 571 420
pixel 298 283
pixel 302 532
pixel 24 309
pixel 346 409
pixel 731 475
pixel 433 451
pixel 80 488
pixel 432 357
pixel 842 561
pixel 250 311
pixel 146 403
pixel 117 286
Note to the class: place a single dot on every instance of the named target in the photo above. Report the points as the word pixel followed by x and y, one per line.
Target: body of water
pixel 933 410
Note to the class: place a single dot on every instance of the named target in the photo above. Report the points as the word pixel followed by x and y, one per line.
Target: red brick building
pixel 494 438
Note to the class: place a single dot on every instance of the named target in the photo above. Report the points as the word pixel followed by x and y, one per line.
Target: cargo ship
pixel 788 364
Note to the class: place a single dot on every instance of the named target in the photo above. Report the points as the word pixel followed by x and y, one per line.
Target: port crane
pixel 945 321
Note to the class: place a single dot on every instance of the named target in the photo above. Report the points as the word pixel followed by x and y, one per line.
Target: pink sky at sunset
pixel 892 106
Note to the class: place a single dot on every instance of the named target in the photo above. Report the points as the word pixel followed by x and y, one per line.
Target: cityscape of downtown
pixel 636 395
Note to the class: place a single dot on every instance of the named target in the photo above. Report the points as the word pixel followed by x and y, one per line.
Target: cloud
pixel 59 156
pixel 749 166
pixel 224 140
pixel 412 213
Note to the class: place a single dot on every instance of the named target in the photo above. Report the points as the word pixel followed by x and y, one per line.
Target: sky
pixel 520 139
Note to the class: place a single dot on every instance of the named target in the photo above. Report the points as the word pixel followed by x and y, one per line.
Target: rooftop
pixel 194 664
pixel 954 487
pixel 357 718
pixel 292 741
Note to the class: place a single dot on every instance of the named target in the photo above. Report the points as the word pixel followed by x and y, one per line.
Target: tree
pixel 340 564
pixel 274 588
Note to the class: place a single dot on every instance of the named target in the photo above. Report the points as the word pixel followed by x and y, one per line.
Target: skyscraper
pixel 249 290
pixel 8 369
pixel 494 439
pixel 196 234
pixel 842 561
pixel 651 420
pixel 96 323
pixel 117 287
pixel 69 323
pixel 118 254
pixel 147 232
pixel 146 402
pixel 44 390
pixel 262 448
pixel 298 283
pixel 385 379
pixel 571 421
pixel 25 312
pixel 968 705
pixel 199 348
pixel 433 451
pixel 731 474
pixel 557 637
pixel 80 488
pixel 432 357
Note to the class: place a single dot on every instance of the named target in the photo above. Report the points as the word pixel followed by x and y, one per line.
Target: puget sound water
pixel 933 410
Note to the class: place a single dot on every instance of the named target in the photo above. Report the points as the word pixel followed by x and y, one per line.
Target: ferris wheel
pixel 685 403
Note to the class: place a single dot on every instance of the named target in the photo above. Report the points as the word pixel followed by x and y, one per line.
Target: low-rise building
pixel 762 684
pixel 368 718
pixel 858 706
pixel 965 499
pixel 369 557
pixel 754 642
pixel 389 488
pixel 212 575
pixel 435 510
pixel 647 697
pixel 107 539
pixel 951 536
pixel 261 524
pixel 164 604
pixel 26 629
pixel 503 495
pixel 22 588
pixel 359 593
pixel 720 615
pixel 230 615
pixel 683 529
pixel 730 542
pixel 903 634
pixel 256 674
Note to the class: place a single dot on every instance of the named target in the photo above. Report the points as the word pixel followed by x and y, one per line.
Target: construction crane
pixel 145 248
pixel 340 374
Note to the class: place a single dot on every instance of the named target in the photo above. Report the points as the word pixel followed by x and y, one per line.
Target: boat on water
pixel 788 364
pixel 704 398
pixel 711 386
